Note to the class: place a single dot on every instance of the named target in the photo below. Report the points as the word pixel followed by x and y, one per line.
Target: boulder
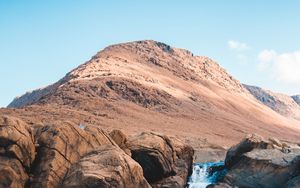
pixel 106 167
pixel 120 138
pixel 59 146
pixel 249 143
pixel 12 173
pixel 166 161
pixel 17 152
pixel 258 163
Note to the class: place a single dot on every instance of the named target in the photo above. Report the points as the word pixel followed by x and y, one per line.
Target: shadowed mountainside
pixel 281 103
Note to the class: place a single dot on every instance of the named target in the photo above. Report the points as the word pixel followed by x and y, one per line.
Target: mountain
pixel 148 85
pixel 285 105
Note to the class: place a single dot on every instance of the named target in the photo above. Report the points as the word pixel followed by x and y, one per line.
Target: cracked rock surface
pixel 166 161
pixel 257 162
pixel 106 167
pixel 17 152
pixel 64 154
pixel 60 146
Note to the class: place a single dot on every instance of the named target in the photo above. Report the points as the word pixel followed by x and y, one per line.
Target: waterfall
pixel 205 174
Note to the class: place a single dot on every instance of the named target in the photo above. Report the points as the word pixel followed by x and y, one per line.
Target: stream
pixel 205 174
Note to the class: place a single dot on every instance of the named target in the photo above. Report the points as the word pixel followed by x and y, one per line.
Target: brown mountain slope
pixel 148 85
pixel 281 103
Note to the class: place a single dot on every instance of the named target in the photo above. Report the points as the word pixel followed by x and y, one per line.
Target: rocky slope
pixel 285 105
pixel 148 85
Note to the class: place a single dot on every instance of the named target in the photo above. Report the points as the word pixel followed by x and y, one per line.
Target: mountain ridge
pixel 281 103
pixel 148 85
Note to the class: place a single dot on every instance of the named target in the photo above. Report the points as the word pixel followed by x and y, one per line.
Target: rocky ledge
pixel 68 155
pixel 262 163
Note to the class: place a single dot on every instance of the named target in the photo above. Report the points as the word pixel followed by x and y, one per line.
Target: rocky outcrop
pixel 166 161
pixel 256 162
pixel 106 167
pixel 17 152
pixel 251 142
pixel 61 145
pixel 68 155
pixel 120 139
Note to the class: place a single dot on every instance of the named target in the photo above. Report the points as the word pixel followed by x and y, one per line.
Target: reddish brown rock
pixel 61 145
pixel 17 152
pixel 106 167
pixel 166 161
pixel 120 138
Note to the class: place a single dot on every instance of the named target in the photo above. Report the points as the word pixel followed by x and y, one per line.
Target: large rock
pixel 249 143
pixel 166 161
pixel 17 152
pixel 120 138
pixel 256 162
pixel 106 167
pixel 61 145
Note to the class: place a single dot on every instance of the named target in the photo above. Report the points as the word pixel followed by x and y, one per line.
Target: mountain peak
pixel 146 62
pixel 126 59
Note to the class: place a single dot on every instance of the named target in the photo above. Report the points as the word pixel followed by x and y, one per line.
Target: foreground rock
pixel 293 183
pixel 106 167
pixel 17 152
pixel 120 139
pixel 256 162
pixel 166 161
pixel 60 146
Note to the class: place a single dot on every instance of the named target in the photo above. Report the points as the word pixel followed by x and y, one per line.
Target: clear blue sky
pixel 257 41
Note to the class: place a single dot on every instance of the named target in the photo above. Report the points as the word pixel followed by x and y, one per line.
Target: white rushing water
pixel 204 175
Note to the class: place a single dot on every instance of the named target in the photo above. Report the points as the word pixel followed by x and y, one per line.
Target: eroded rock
pixel 120 138
pixel 61 145
pixel 106 167
pixel 17 152
pixel 166 161
pixel 249 143
pixel 256 162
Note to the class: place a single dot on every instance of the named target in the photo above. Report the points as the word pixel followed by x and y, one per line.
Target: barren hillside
pixel 148 85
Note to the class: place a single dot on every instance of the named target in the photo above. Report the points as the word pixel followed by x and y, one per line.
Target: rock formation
pixel 17 152
pixel 106 167
pixel 61 145
pixel 68 155
pixel 256 162
pixel 166 161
